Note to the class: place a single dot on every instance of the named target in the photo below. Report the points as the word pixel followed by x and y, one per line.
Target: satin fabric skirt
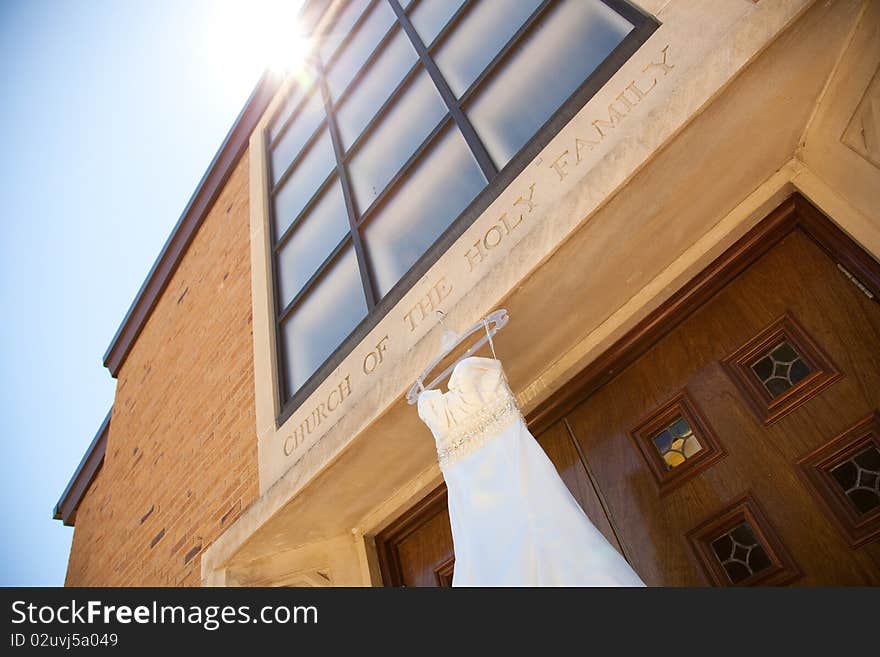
pixel 515 523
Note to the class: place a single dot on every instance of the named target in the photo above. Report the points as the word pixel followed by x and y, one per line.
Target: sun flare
pixel 285 46
pixel 258 33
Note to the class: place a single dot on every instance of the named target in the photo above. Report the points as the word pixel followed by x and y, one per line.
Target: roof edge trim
pixel 92 460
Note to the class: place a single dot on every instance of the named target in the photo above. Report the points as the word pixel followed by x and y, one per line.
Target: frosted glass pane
pixel 359 48
pixel 312 241
pixel 402 130
pixel 296 135
pixel 439 188
pixel 573 39
pixel 341 27
pixel 479 37
pixel 375 86
pixel 323 320
pixel 430 16
pixel 290 103
pixel 302 184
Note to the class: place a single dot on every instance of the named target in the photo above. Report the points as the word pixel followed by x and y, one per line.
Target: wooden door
pixel 781 363
pixel 733 437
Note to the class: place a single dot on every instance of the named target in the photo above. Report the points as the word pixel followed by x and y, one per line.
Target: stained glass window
pixel 740 553
pixel 859 479
pixel 781 369
pixel 844 475
pixel 677 443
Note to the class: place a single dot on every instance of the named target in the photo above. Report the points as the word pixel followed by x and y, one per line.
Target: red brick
pixel 182 435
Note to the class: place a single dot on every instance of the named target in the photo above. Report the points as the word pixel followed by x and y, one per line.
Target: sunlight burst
pixel 258 33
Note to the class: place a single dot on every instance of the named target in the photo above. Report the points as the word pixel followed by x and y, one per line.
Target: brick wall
pixel 181 461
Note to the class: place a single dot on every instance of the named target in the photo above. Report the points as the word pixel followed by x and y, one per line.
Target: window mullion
pixel 347 194
pixel 481 155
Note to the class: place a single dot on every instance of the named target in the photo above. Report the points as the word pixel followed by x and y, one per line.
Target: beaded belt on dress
pixel 474 430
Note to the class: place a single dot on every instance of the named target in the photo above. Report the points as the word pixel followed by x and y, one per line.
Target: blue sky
pixel 110 114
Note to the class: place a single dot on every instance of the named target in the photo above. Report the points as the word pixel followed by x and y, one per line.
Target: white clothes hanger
pixel 491 324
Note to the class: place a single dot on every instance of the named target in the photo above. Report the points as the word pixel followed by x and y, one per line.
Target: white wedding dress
pixel 514 522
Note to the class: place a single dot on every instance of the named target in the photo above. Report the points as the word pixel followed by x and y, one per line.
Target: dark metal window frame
pixel 497 180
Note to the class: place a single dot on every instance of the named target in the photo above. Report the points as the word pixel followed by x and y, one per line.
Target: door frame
pixel 390 538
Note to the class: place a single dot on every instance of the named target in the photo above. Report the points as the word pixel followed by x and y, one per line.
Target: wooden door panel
pixel 559 447
pixel 416 549
pixel 424 552
pixel 796 277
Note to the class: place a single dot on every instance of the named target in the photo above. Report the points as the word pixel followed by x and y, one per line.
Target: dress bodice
pixel 478 405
